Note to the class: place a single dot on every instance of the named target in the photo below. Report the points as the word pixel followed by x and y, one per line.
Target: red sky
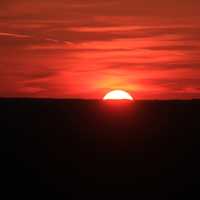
pixel 85 48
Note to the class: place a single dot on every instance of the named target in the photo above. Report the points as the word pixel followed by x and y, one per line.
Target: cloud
pixel 43 74
pixel 49 9
pixel 75 48
pixel 13 35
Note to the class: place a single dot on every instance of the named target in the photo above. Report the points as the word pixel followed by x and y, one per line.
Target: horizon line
pixel 90 99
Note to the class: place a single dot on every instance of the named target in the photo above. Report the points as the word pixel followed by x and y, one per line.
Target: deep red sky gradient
pixel 85 48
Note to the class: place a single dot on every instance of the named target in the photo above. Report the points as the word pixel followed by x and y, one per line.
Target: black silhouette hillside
pixel 73 149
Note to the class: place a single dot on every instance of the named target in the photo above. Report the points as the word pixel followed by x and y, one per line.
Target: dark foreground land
pixel 99 150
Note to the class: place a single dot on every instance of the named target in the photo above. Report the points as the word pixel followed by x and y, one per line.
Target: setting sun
pixel 118 95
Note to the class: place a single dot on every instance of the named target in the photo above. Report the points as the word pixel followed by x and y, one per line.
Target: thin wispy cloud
pixel 13 35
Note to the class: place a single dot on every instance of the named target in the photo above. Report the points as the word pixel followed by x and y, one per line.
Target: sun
pixel 118 95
